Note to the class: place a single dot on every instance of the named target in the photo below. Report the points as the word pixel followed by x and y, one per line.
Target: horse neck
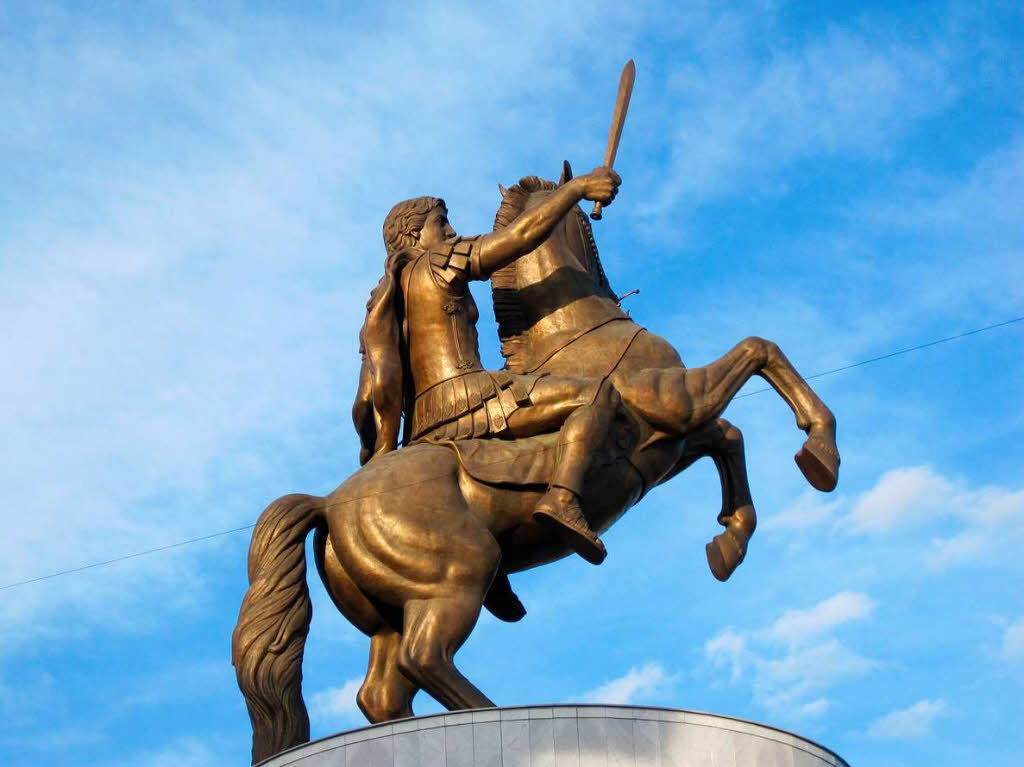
pixel 550 296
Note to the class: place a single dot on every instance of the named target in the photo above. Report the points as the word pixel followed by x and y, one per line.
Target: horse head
pixel 555 292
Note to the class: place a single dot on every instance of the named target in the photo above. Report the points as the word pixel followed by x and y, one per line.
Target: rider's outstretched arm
pixel 533 226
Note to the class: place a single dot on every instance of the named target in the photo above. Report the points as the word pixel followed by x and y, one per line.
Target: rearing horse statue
pixel 412 545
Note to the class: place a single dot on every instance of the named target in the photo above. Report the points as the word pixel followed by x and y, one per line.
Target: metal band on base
pixel 560 736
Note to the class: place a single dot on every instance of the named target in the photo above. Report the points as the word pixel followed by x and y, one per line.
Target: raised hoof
pixel 819 464
pixel 724 555
pixel 583 542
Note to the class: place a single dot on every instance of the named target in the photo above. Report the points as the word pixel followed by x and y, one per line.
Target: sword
pixel 618 119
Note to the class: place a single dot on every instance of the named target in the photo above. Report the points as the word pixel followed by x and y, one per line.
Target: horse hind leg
pixel 386 693
pixel 434 630
pixel 436 625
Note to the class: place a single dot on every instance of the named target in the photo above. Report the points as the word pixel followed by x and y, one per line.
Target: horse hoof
pixel 724 555
pixel 819 463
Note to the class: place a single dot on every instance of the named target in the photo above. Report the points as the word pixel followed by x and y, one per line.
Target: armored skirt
pixel 475 404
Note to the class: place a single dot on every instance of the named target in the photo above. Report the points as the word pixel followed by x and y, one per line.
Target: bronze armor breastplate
pixel 440 326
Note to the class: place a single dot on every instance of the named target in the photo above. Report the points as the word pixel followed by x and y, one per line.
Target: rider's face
pixel 436 228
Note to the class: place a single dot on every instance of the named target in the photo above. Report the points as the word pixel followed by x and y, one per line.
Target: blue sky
pixel 190 211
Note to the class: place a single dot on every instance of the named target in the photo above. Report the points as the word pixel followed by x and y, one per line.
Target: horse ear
pixel 566 172
pixel 503 191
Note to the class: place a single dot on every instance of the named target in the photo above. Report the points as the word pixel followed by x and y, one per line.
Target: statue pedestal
pixel 559 736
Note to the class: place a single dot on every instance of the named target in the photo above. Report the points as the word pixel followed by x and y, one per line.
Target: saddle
pixel 525 462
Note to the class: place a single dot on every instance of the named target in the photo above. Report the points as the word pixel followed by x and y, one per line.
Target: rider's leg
pixel 680 401
pixel 584 409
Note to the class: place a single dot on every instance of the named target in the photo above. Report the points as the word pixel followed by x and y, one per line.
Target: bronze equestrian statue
pixel 413 544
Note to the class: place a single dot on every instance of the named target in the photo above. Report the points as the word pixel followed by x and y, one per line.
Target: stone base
pixel 561 736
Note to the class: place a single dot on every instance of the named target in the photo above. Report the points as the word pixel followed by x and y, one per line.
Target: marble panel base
pixel 562 736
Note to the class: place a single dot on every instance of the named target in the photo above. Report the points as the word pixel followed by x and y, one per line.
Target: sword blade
pixel 619 114
pixel 618 120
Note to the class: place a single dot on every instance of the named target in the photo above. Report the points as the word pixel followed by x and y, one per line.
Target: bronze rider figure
pixel 421 356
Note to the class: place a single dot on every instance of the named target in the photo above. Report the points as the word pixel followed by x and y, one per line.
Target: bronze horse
pixel 414 543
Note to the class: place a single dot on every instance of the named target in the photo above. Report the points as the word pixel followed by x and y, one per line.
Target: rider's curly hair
pixel 402 225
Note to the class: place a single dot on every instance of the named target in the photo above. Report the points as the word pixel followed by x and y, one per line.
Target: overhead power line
pixel 128 556
pixel 201 538
pixel 890 355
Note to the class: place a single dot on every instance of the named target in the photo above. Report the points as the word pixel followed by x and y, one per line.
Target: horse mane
pixel 505 293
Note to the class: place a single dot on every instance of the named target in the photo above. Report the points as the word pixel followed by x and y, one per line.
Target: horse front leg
pixel 723 443
pixel 680 401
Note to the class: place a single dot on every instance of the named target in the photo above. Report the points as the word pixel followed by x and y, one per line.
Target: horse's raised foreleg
pixel 681 400
pixel 723 443
pixel 434 630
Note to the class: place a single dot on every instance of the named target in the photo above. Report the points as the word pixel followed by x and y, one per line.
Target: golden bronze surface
pixel 499 471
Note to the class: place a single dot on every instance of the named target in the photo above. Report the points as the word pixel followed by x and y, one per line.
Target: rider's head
pixel 410 220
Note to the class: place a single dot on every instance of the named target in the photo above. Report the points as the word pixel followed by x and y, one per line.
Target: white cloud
pixel 901 497
pixel 953 523
pixel 1012 648
pixel 797 626
pixel 728 648
pixel 336 704
pixel 992 526
pixel 790 663
pixel 810 509
pixel 637 684
pixel 815 709
pixel 912 722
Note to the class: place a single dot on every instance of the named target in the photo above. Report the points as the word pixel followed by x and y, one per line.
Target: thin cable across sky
pixel 222 533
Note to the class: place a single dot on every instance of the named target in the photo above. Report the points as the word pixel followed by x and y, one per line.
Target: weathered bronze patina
pixel 499 471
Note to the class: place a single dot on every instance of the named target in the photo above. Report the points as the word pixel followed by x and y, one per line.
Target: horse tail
pixel 269 638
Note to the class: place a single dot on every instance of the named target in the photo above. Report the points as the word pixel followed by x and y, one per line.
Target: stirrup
pixel 570 524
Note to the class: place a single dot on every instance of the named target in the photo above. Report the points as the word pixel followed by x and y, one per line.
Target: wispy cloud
pixel 844 91
pixel 912 722
pixel 639 684
pixel 810 509
pixel 989 520
pixel 800 626
pixel 1012 648
pixel 336 705
pixel 791 662
pixel 960 524
pixel 901 498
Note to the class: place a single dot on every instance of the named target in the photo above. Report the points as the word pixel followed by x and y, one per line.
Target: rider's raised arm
pixel 533 226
